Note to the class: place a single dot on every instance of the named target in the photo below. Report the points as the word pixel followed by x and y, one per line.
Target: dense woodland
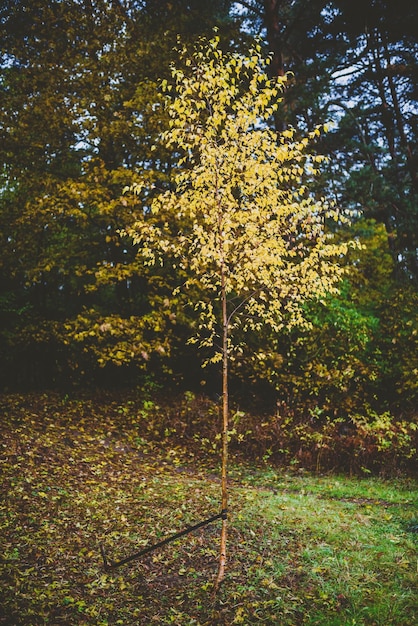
pixel 82 114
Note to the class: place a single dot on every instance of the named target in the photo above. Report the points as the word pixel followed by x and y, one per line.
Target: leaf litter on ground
pixel 304 549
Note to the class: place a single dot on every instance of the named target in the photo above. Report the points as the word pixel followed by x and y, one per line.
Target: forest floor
pixel 303 548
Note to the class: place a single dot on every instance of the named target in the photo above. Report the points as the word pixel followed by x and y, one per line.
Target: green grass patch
pixel 303 549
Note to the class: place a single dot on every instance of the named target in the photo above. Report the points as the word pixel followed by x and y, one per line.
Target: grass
pixel 303 549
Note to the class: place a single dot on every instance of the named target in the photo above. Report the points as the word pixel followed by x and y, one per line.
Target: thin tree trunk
pixel 225 425
pixel 400 123
pixel 274 38
pixel 386 115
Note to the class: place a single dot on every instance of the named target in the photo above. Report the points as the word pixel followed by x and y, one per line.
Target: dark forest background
pixel 81 117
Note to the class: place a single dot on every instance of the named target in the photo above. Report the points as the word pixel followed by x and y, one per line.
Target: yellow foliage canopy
pixel 239 219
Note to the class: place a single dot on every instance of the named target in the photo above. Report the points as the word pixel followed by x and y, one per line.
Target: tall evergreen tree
pixel 355 63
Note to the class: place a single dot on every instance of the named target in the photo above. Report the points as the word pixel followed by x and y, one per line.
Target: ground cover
pixel 304 548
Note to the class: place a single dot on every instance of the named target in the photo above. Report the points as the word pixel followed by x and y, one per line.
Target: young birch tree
pixel 239 222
